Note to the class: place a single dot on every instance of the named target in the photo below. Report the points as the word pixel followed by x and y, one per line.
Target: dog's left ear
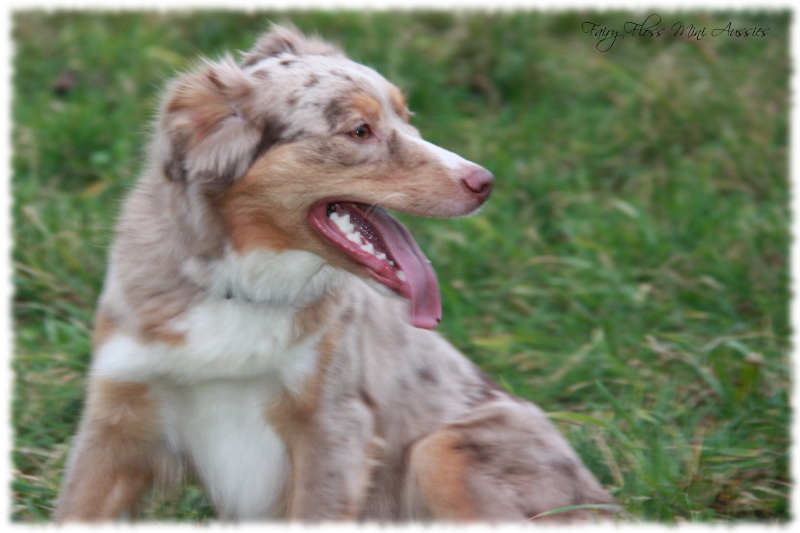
pixel 287 40
pixel 204 133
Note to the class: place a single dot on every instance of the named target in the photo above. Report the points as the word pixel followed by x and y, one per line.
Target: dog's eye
pixel 362 132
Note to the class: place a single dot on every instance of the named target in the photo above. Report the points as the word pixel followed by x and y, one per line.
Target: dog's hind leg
pixel 116 456
pixel 503 462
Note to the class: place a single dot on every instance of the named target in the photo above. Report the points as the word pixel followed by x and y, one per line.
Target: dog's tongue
pixel 422 285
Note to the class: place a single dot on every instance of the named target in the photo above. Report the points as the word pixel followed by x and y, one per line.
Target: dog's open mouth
pixel 385 247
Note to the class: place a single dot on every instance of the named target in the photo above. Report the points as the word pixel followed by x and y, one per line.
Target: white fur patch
pixel 293 276
pixel 447 158
pixel 221 427
pixel 225 339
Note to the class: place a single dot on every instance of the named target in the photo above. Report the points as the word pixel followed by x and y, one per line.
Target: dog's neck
pixel 291 278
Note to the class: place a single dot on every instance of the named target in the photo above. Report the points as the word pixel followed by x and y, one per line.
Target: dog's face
pixel 299 148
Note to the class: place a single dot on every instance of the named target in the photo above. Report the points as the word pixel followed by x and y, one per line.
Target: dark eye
pixel 362 132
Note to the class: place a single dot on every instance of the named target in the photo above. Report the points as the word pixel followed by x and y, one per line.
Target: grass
pixel 630 273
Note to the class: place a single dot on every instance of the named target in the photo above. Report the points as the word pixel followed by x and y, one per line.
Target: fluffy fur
pixel 234 341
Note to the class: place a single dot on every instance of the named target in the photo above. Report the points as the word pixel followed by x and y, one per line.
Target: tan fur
pixel 248 224
pixel 438 470
pixel 234 340
pixel 293 417
pixel 367 107
pixel 118 455
pixel 314 318
pixel 399 103
pixel 104 326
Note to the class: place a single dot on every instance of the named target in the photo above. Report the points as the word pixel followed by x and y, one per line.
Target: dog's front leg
pixel 115 453
pixel 332 452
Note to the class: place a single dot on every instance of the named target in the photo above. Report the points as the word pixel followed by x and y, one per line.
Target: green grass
pixel 630 273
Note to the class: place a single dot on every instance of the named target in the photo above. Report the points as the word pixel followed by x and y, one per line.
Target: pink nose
pixel 479 182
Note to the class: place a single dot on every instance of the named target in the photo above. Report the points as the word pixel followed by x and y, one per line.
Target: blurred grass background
pixel 629 274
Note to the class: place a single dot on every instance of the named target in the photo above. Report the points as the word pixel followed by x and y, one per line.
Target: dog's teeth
pixel 401 275
pixel 353 235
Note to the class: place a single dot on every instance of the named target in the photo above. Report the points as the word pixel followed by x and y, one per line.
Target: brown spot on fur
pixel 477 452
pixel 368 400
pixel 334 112
pixel 343 75
pixel 248 221
pixel 314 317
pixel 161 332
pixel 104 327
pixel 426 375
pixel 156 310
pixel 361 106
pixel 348 314
pixel 366 107
pixel 566 468
pixel 438 474
pixel 116 458
pixel 399 103
pixel 271 135
pixel 393 145
pixel 312 81
pixel 206 105
pixel 174 167
pixel 126 411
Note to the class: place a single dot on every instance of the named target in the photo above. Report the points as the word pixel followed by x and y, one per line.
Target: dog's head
pixel 299 148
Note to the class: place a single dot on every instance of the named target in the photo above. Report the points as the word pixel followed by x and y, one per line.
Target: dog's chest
pixel 222 340
pixel 214 393
pixel 221 427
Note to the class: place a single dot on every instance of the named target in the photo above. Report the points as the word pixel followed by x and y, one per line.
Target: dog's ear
pixel 204 133
pixel 287 39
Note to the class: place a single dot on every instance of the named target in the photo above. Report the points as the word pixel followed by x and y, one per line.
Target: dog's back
pixel 264 319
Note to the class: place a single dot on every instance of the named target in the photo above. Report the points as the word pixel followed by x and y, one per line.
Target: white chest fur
pixel 224 339
pixel 221 426
pixel 215 388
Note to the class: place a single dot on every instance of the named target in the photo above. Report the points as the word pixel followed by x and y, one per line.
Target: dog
pixel 265 324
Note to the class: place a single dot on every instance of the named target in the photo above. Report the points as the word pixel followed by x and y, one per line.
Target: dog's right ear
pixel 204 132
pixel 287 39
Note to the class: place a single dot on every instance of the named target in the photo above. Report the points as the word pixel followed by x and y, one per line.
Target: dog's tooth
pixel 401 275
pixel 381 256
pixel 354 238
pixel 340 223
pixel 369 248
pixel 391 262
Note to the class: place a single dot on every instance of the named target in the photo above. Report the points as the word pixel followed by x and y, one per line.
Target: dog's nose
pixel 479 181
